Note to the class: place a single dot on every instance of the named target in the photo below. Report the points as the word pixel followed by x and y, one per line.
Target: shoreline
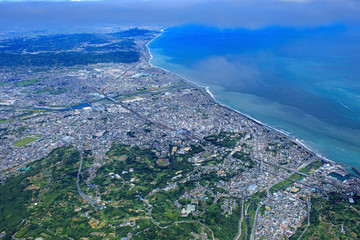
pixel 206 90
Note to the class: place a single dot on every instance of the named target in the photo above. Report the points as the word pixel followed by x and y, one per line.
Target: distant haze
pixel 246 13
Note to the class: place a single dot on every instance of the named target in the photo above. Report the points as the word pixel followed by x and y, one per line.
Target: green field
pixel 312 167
pixel 286 183
pixel 28 82
pixel 26 140
pixel 162 162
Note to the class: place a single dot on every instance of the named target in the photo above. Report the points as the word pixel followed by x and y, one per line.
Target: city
pixel 159 148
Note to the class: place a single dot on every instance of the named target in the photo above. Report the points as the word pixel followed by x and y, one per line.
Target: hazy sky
pixel 224 13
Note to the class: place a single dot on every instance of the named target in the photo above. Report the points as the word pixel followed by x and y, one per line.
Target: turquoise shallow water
pixel 305 81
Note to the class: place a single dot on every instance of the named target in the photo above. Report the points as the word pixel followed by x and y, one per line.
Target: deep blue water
pixel 305 81
pixel 339 177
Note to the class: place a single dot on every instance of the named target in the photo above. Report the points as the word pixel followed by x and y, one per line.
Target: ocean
pixel 304 81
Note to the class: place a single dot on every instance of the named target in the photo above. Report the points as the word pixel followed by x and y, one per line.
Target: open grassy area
pixel 162 162
pixel 312 167
pixel 28 82
pixel 26 140
pixel 280 185
pixel 286 183
pixel 34 135
pixel 295 177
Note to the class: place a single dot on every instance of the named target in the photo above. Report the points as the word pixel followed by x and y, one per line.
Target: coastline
pixel 206 91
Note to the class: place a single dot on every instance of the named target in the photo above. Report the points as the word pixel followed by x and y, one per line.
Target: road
pixel 308 224
pixel 293 172
pixel 240 221
pixel 269 196
pixel 159 125
pixel 305 164
pixel 289 169
pixel 177 222
pixel 188 135
pixel 92 203
pixel 255 219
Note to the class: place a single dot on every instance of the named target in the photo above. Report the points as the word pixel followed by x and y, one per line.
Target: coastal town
pixel 205 154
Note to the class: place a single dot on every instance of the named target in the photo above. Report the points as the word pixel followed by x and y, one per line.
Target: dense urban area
pixel 96 143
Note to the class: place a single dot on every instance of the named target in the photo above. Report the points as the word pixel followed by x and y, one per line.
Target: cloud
pixel 236 73
pixel 226 13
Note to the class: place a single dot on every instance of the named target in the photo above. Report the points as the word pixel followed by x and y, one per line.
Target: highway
pixel 159 125
pixel 240 221
pixel 255 220
pixel 92 203
pixel 308 224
